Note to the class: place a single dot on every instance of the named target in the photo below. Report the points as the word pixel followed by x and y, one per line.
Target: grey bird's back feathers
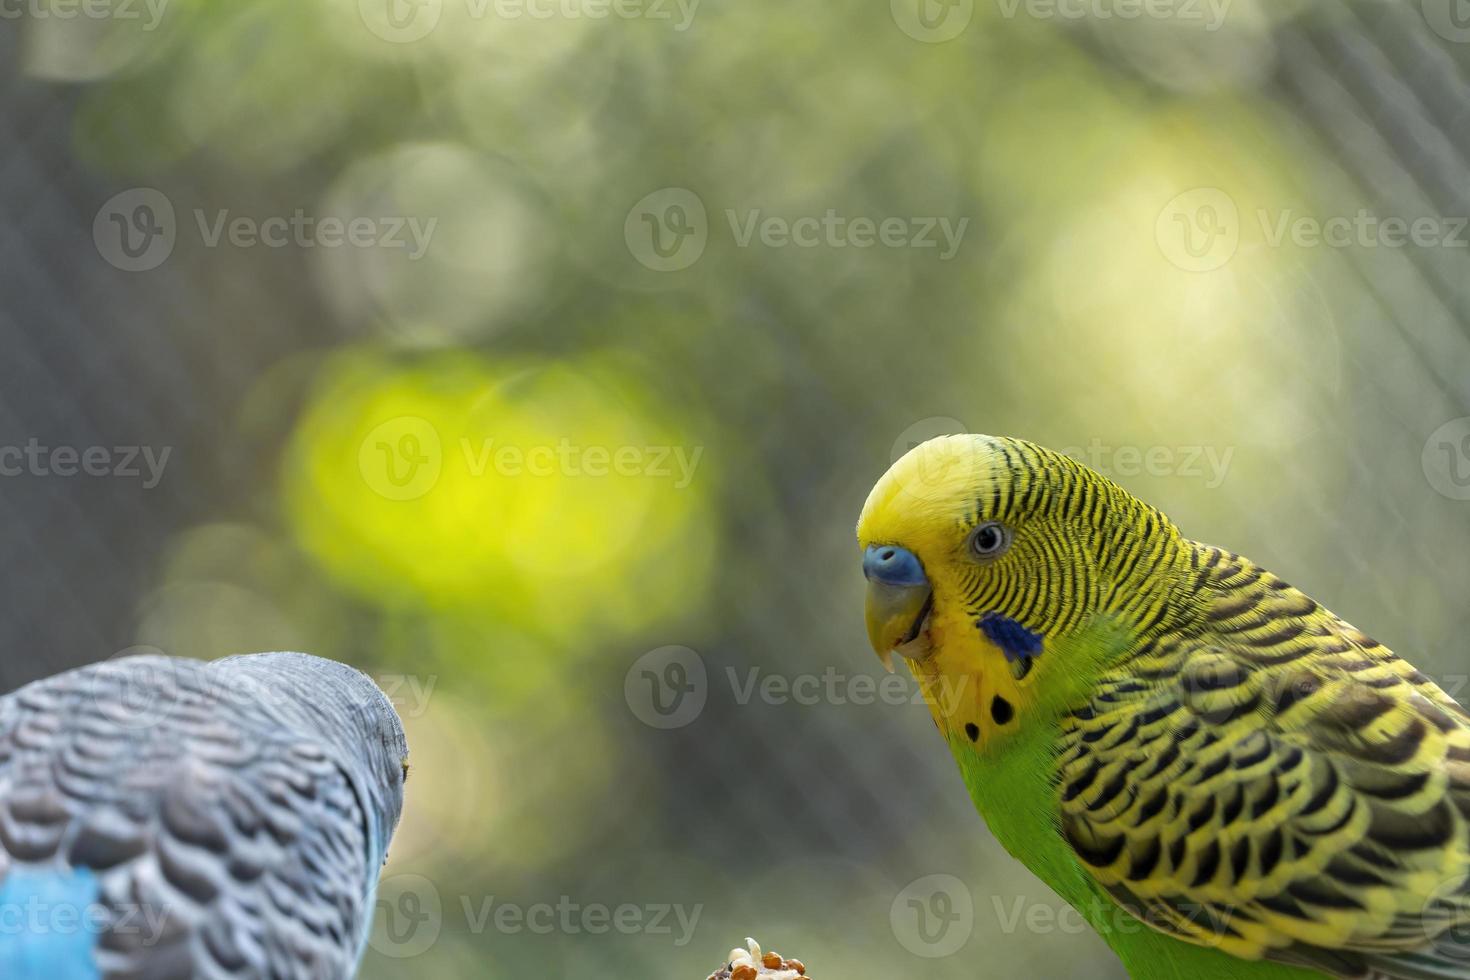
pixel 233 814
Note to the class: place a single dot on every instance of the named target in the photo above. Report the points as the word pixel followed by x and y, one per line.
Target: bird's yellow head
pixel 987 557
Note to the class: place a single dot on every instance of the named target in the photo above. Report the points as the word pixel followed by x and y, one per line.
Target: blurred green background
pixel 537 356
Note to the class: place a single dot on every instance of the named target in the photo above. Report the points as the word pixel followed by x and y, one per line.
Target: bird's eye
pixel 989 539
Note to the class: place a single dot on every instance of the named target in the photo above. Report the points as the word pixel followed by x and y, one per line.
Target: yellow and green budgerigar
pixel 1223 777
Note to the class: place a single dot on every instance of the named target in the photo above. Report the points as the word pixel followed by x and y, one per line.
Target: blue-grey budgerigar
pixel 169 818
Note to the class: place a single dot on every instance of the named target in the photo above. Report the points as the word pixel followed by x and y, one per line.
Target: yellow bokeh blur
pixel 548 496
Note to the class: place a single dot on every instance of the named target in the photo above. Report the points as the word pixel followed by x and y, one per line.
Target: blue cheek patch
pixel 1015 641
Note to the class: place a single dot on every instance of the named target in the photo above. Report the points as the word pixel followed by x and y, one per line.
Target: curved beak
pixel 898 600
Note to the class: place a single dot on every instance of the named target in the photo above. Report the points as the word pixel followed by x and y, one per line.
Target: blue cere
pixel 892 565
